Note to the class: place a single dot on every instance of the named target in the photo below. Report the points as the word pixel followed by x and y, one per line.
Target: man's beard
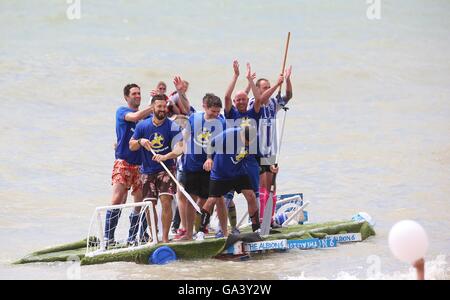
pixel 160 115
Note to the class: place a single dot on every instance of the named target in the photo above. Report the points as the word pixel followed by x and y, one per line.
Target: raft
pixel 194 250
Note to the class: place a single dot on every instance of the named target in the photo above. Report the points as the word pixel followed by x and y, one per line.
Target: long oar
pixel 197 208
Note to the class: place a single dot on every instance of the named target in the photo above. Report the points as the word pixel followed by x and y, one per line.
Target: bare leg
pixel 252 208
pixel 138 197
pixel 119 195
pixel 264 181
pixel 207 210
pixel 182 206
pixel 222 213
pixel 190 216
pixel 155 219
pixel 166 203
pixel 197 218
pixel 251 201
pixel 209 204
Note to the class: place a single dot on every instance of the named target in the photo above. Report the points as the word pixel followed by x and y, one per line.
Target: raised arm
pixel 287 75
pixel 176 110
pixel 230 89
pixel 139 115
pixel 183 103
pixel 248 87
pixel 266 95
pixel 255 91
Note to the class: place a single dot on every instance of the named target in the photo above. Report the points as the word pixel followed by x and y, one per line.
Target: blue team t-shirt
pixel 162 137
pixel 229 163
pixel 244 117
pixel 235 114
pixel 201 132
pixel 124 132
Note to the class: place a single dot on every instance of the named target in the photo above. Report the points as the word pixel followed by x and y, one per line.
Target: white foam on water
pixel 435 269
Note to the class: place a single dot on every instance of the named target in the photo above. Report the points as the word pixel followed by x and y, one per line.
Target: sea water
pixel 368 127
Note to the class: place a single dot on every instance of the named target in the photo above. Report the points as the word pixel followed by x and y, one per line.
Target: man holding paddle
pixel 269 146
pixel 159 135
pixel 200 129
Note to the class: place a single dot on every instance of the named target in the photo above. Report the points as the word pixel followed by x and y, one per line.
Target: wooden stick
pixel 285 57
pixel 181 188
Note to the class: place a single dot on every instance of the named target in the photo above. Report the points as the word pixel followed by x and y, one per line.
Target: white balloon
pixel 408 241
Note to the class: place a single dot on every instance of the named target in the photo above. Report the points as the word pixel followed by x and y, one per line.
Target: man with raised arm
pixel 267 133
pixel 125 174
pixel 178 101
pixel 240 115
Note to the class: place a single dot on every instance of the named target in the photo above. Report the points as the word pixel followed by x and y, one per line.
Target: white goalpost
pixel 128 235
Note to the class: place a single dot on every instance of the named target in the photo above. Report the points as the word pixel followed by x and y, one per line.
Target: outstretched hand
pixel 250 76
pixel 236 68
pixel 178 83
pixel 287 73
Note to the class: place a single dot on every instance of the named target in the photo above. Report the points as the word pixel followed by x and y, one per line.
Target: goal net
pixel 121 228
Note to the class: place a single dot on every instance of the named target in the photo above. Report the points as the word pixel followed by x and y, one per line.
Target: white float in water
pixel 408 241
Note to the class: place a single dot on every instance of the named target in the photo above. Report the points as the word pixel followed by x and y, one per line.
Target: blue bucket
pixel 163 255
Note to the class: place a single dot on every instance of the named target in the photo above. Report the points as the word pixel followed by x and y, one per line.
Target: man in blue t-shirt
pixel 125 174
pixel 238 115
pixel 230 149
pixel 160 134
pixel 200 129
